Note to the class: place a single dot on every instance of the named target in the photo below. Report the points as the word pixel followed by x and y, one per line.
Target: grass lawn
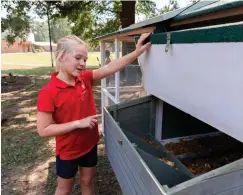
pixel 30 60
pixel 17 70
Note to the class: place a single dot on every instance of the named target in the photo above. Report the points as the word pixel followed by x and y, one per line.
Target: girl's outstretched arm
pixel 122 62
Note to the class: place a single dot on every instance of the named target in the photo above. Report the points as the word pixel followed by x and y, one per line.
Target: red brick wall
pixel 15 48
pixel 10 49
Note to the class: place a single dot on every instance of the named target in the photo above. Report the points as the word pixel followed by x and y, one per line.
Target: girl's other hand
pixel 88 122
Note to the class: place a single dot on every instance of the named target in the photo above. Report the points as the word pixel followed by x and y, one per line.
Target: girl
pixel 107 56
pixel 66 110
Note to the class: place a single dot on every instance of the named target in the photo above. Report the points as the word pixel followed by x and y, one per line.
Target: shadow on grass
pixel 32 71
pixel 44 70
pixel 20 142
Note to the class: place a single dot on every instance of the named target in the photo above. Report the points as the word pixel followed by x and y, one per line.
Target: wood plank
pixel 103 84
pixel 215 185
pixel 234 191
pixel 159 119
pixel 215 15
pixel 117 74
pixel 125 89
pixel 130 33
pixel 107 94
pixel 152 117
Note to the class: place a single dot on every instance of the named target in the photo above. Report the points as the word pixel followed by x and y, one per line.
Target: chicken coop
pixel 182 134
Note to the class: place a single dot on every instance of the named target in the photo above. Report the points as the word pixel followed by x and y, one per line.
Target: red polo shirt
pixel 69 103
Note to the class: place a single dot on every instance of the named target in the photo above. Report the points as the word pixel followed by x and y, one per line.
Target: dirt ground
pixel 14 83
pixel 28 162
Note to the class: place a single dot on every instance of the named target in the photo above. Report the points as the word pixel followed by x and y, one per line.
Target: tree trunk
pixel 49 30
pixel 127 18
pixel 127 14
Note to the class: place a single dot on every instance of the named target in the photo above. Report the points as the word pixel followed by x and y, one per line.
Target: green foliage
pixel 89 19
pixel 148 8
pixel 15 26
pixel 60 27
pixel 40 30
pixel 173 5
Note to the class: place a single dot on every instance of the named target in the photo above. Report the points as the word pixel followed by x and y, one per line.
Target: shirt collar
pixel 61 84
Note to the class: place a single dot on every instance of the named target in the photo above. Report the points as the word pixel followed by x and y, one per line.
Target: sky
pixel 161 3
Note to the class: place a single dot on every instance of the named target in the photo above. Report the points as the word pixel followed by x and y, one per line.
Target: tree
pixel 59 28
pixel 147 8
pixel 90 18
pixel 40 30
pixel 173 5
pixel 15 26
pixel 21 9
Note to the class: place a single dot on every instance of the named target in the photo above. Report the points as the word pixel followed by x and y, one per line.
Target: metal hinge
pixel 134 145
pixel 168 38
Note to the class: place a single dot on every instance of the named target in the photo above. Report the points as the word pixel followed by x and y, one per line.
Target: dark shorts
pixel 68 168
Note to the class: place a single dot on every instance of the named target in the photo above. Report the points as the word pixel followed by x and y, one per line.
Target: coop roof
pixel 194 13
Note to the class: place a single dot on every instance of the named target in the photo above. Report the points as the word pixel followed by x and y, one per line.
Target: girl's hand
pixel 141 47
pixel 88 122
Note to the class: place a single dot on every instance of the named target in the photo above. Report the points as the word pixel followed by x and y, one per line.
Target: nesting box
pixel 185 136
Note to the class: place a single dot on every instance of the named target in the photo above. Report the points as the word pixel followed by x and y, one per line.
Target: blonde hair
pixel 65 45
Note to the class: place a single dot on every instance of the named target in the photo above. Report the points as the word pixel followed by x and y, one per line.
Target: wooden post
pixel 104 98
pixel 158 119
pixel 117 75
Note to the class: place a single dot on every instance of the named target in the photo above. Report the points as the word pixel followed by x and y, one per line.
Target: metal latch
pixel 120 142
pixel 168 38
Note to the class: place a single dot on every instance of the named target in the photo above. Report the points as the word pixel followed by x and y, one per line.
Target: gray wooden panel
pixel 116 167
pixel 136 118
pixel 160 151
pixel 215 185
pixel 234 191
pixel 128 166
pixel 123 168
pixel 164 173
pixel 146 175
pixel 128 169
pixel 132 171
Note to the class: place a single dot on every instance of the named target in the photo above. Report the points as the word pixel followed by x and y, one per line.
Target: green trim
pixel 229 33
pixel 207 9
